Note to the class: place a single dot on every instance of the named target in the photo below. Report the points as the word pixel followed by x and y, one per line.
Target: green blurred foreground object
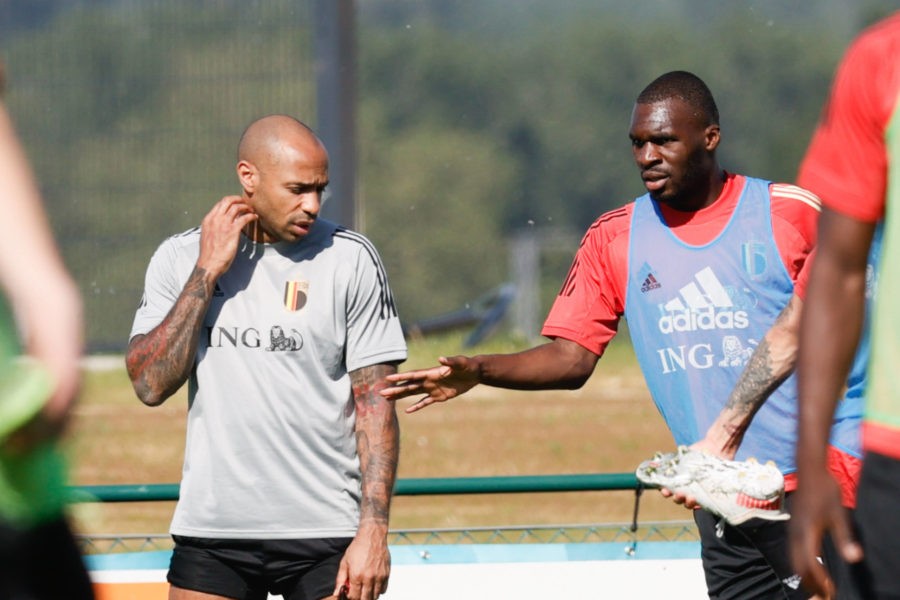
pixel 32 485
pixel 32 481
pixel 24 388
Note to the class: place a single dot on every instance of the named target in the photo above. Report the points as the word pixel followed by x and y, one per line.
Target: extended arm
pixel 366 565
pixel 771 363
pixel 160 361
pixel 829 334
pixel 560 364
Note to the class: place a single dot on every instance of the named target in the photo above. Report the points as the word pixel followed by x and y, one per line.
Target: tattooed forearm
pixel 160 362
pixel 772 362
pixel 757 381
pixel 377 441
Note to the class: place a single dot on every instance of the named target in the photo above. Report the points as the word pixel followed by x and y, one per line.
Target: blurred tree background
pixel 478 119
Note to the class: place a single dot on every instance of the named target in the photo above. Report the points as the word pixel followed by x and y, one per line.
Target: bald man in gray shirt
pixel 284 326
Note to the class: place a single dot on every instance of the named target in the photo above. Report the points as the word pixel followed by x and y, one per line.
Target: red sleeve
pixel 846 163
pixel 591 301
pixel 803 277
pixel 795 218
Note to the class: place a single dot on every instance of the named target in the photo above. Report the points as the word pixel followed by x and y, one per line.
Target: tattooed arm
pixel 772 362
pixel 366 565
pixel 160 361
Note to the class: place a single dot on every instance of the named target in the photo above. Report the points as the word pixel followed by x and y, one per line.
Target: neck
pixel 256 233
pixel 703 194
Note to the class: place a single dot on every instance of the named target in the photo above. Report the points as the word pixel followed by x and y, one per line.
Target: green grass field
pixel 608 426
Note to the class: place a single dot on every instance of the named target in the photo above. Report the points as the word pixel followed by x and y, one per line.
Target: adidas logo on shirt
pixel 650 283
pixel 702 304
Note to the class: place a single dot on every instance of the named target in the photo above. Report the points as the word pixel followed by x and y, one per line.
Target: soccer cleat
pixel 734 490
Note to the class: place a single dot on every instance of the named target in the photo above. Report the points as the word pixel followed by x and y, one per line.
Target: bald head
pixel 283 170
pixel 265 140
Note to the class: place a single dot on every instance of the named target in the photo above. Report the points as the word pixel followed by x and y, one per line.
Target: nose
pixel 311 202
pixel 645 154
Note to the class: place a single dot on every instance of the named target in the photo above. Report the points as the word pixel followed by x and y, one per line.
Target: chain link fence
pixel 131 112
pixel 668 531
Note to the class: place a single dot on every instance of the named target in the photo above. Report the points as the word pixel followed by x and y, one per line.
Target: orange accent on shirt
pixel 844 468
pixel 881 438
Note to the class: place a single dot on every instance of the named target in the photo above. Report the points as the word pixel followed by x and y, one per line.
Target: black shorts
pixel 847 578
pixel 749 561
pixel 251 569
pixel 42 563
pixel 877 521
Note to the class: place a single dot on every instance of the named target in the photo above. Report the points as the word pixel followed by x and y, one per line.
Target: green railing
pixel 599 532
pixel 404 487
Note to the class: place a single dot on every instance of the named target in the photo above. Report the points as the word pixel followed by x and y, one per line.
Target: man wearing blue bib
pixel 703 267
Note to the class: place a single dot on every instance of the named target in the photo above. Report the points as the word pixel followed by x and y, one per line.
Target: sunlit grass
pixel 608 426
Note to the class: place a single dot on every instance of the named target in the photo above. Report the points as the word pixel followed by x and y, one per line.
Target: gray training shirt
pixel 270 449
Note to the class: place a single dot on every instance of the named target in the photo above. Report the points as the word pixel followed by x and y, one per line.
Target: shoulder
pixel 611 227
pixel 348 237
pixel 796 206
pixel 795 214
pixel 793 199
pixel 349 247
pixel 185 241
pixel 185 238
pixel 868 75
pixel 874 40
pixel 347 240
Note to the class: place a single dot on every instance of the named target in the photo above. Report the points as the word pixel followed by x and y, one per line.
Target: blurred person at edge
pixel 851 164
pixel 40 314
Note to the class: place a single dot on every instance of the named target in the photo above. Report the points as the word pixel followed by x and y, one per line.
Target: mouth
pixel 654 181
pixel 302 227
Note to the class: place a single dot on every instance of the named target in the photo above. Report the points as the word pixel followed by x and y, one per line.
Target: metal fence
pixel 625 533
pixel 530 534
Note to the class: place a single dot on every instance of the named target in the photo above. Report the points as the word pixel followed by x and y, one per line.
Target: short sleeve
pixel 161 289
pixel 374 333
pixel 846 163
pixel 591 301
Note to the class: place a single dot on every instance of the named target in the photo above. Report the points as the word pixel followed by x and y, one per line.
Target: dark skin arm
pixel 560 364
pixel 159 362
pixel 366 565
pixel 829 334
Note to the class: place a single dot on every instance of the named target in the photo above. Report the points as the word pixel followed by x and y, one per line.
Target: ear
pixel 248 175
pixel 712 137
